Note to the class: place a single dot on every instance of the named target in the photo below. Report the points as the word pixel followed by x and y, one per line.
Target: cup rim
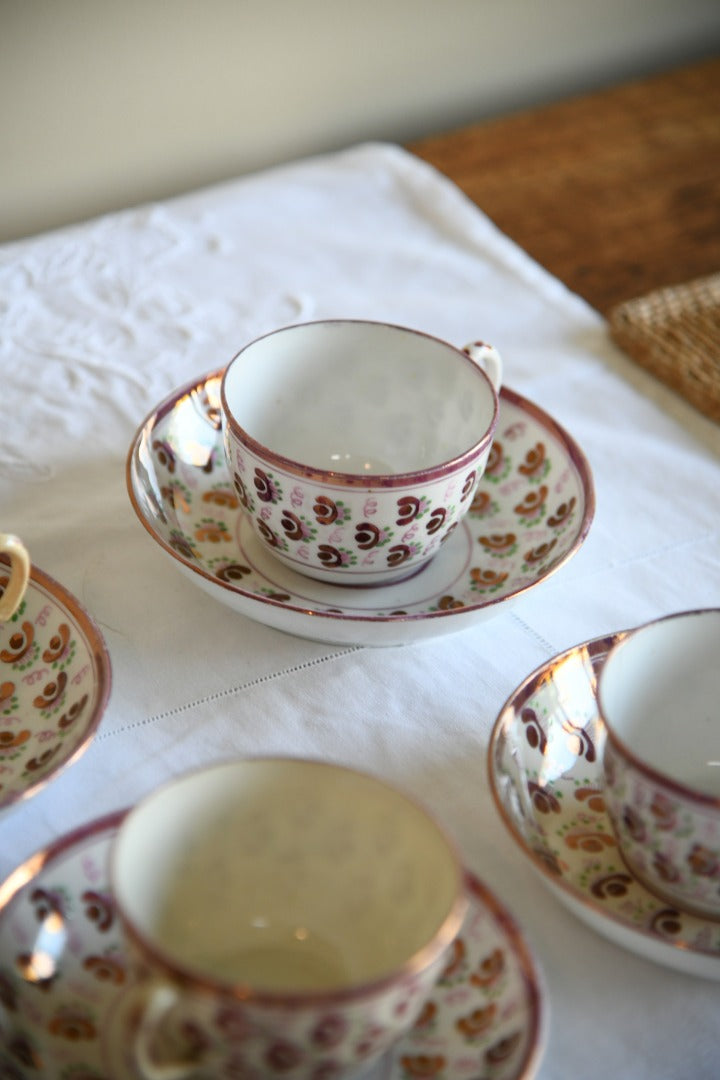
pixel 655 775
pixel 382 481
pixel 201 981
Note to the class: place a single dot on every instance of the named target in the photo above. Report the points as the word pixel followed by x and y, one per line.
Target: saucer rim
pixel 478 893
pixel 700 962
pixel 97 646
pixel 575 455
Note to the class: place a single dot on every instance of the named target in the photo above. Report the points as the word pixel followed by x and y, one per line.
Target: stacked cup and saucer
pixel 605 767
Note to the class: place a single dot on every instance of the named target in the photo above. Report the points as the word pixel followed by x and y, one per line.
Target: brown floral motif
pixel 446 603
pixel 182 545
pixel 538 554
pixel 498 543
pixel 105 969
pixel 549 861
pixel 563 513
pixel 458 953
pixel 436 520
pixel 330 556
pixel 543 799
pixel 533 504
pixel 478 1022
pixel 212 532
pixel 7 692
pixel 495 459
pixel 293 526
pixel 164 454
pixel 267 488
pixel 409 507
pixel 269 536
pixel 666 923
pixel 534 732
pixel 52 692
pixel 611 886
pixel 329 1031
pixel 579 741
pixel 398 554
pixel 664 868
pixel 232 572
pixel 221 497
pixel 19 644
pixel 590 842
pixel 283 1056
pixel 664 811
pixel 490 969
pixel 422 1066
pixel 326 510
pixel 503 1048
pixel 487 579
pixel 633 823
pixel 99 909
pixel 243 494
pixel 468 485
pixel 175 497
pixel 57 644
pixel 449 533
pixel 73 1025
pixel 703 861
pixel 45 903
pixel 427 1016
pixel 535 460
pixel 41 761
pixel 68 718
pixel 367 536
pixel 592 797
pixel 11 740
pixel 481 503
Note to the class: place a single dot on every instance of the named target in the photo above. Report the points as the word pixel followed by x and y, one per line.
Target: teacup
pixel 356 446
pixel 14 553
pixel 659 697
pixel 283 916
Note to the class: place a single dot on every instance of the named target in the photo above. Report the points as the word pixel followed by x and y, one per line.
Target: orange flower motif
pixel 57 644
pixel 428 1014
pixel 589 841
pixel 477 1022
pixel 592 797
pixel 19 644
pixel 490 968
pixel 213 532
pixel 533 503
pixel 487 579
pixel 52 692
pixel 7 689
pixel 534 460
pixel 73 1026
pixel 498 541
pixel 422 1066
pixel 457 957
pixel 221 497
pixel 105 969
pixel 449 603
pixel 10 740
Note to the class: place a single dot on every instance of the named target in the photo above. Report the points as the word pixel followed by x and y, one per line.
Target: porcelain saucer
pixel 63 973
pixel 532 512
pixel 545 767
pixel 54 686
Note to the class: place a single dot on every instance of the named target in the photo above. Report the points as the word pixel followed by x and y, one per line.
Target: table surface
pixel 615 193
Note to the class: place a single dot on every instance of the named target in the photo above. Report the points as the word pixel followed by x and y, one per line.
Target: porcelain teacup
pixel 659 698
pixel 13 553
pixel 283 917
pixel 356 446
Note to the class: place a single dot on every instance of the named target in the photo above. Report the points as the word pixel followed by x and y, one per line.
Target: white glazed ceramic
pixel 356 447
pixel 54 686
pixel 531 512
pixel 13 556
pixel 65 975
pixel 546 776
pixel 659 697
pixel 292 914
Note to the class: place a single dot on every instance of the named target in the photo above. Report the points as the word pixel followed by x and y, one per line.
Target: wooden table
pixel 616 193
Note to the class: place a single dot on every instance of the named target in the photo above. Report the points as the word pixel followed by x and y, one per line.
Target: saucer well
pixel 532 511
pixel 54 686
pixel 545 770
pixel 63 974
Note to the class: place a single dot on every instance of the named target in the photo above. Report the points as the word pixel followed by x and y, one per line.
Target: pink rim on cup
pixel 659 697
pixel 356 446
pixel 283 917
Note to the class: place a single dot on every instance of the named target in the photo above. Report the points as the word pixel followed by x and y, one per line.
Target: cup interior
pixel 659 692
pixel 360 398
pixel 285 876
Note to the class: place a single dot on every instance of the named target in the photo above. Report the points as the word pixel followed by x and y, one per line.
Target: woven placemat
pixel 675 334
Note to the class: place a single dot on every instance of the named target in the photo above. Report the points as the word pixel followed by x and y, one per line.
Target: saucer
pixel 545 767
pixel 532 511
pixel 63 972
pixel 54 686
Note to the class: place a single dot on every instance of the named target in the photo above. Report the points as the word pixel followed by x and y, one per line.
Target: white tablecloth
pixel 98 323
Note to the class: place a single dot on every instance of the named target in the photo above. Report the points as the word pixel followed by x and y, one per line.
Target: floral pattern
pixel 546 767
pixel 54 685
pixel 64 971
pixel 529 514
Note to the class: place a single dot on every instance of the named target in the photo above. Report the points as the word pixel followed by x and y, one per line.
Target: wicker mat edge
pixel 674 333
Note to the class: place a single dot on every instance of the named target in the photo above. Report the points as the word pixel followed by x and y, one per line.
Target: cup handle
pixel 19 573
pixel 155 1001
pixel 488 358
